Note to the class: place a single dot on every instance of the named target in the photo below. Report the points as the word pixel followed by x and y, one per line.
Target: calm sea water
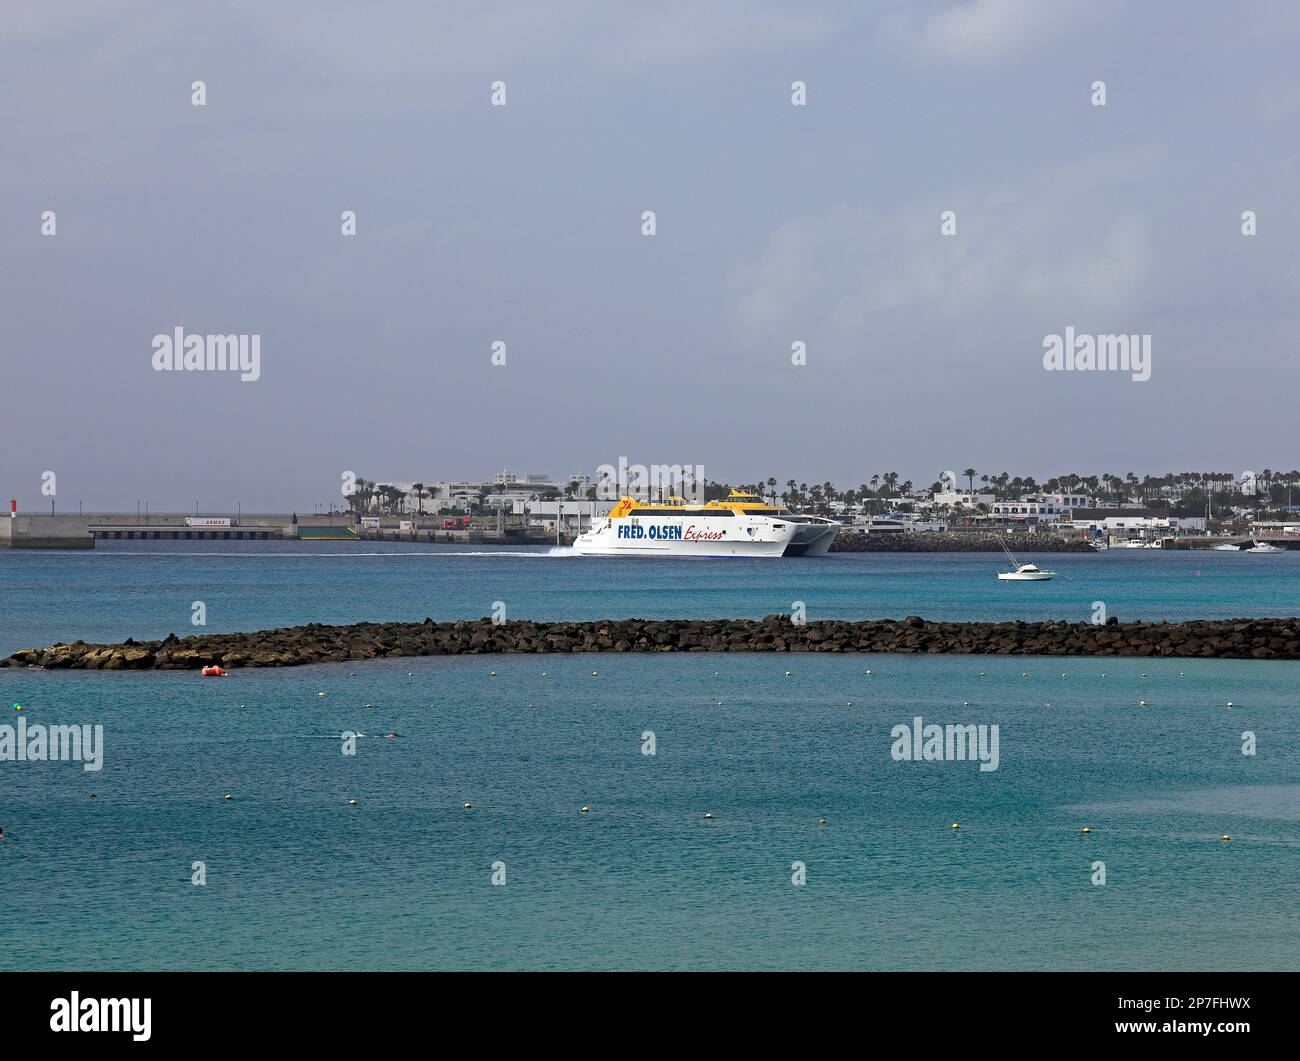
pixel 298 879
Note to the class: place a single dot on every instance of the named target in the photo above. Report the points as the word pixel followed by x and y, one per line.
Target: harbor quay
pixel 83 531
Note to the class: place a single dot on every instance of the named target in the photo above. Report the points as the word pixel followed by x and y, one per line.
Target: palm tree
pixel 970 479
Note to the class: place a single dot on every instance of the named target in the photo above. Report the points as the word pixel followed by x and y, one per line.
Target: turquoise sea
pixel 296 878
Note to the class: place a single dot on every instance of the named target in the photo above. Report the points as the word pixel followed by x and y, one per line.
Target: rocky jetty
pixel 850 541
pixel 297 645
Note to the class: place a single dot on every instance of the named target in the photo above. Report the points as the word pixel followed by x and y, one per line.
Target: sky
pixel 775 224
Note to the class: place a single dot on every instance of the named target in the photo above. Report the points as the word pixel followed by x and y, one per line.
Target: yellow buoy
pixel 1086 829
pixel 1225 838
pixel 954 826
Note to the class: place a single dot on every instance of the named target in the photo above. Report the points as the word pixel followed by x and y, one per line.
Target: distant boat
pixel 1231 547
pixel 1022 572
pixel 1263 547
pixel 1130 543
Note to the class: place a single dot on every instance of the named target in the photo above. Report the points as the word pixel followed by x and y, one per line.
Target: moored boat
pixel 1022 572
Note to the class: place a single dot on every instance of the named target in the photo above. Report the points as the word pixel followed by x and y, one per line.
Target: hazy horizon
pixel 776 224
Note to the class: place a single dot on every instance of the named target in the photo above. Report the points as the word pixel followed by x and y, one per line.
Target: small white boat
pixel 1263 547
pixel 1229 548
pixel 1022 572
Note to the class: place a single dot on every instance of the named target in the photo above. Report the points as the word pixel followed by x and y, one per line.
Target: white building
pixel 1040 508
pixel 964 498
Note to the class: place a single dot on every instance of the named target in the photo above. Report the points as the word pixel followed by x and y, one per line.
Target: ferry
pixel 813 534
pixel 674 528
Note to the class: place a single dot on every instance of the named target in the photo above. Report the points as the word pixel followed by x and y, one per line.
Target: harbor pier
pixel 46 532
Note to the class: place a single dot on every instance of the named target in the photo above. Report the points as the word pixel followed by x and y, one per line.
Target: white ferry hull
pixel 813 537
pixel 700 536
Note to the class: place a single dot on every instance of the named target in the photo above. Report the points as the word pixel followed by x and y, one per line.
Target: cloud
pixel 985 30
pixel 1055 243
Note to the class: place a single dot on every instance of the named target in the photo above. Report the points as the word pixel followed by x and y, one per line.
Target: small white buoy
pixel 352 803
pixel 787 674
pixel 228 796
pixel 468 806
pixel 954 826
pixel 594 673
pixel 821 821
pixel 1142 703
pixel 492 674
pixel 586 809
pixel 320 694
pixel 1229 705
pixel 1225 838
pixel 708 814
pixel 1086 829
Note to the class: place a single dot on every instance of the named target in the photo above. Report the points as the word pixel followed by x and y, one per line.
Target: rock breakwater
pixel 314 643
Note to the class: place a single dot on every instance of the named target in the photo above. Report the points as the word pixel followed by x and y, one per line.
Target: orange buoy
pixel 215 672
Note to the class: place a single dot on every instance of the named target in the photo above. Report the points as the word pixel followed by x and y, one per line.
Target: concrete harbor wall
pixel 1276 639
pixel 46 532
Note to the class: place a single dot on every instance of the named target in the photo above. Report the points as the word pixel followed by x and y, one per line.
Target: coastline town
pixel 957 512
